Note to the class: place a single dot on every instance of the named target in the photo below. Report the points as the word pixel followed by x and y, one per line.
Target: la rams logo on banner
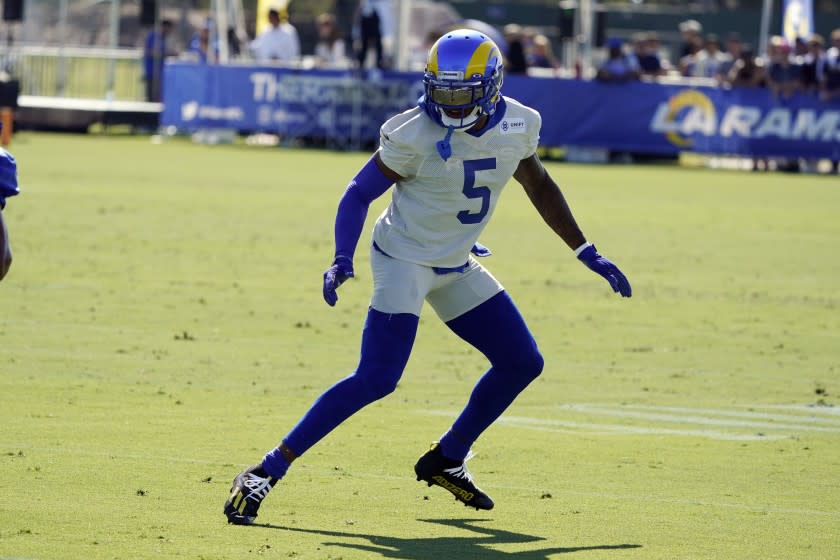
pixel 798 19
pixel 686 113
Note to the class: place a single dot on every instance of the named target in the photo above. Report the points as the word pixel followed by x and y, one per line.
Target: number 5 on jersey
pixel 471 166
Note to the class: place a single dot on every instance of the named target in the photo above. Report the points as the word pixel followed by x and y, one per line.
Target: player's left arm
pixel 549 201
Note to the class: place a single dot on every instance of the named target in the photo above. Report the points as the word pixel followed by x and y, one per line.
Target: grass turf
pixel 162 326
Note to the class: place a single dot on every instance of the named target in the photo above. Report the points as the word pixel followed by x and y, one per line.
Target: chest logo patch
pixel 512 126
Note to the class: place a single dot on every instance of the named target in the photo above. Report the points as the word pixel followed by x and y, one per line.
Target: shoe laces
pixel 258 486
pixel 461 470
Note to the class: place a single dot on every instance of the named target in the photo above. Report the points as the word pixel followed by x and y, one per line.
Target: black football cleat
pixel 451 475
pixel 250 487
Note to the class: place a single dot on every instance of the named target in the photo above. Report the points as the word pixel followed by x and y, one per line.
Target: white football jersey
pixel 441 207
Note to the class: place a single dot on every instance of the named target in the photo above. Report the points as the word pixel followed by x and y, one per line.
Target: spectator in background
pixel 541 55
pixel 747 71
pixel 417 57
pixel 800 47
pixel 692 40
pixel 515 59
pixel 199 47
pixel 811 62
pixel 829 73
pixel 330 49
pixel 278 43
pixel 8 187
pixel 734 48
pixel 646 50
pixel 783 75
pixel 529 35
pixel 689 61
pixel 708 63
pixel 370 31
pixel 156 48
pixel 234 39
pixel 619 66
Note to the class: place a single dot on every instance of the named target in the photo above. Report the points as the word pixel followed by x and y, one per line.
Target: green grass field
pixel 162 326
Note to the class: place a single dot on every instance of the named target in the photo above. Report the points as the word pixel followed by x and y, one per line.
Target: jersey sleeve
pixel 533 139
pixel 395 149
pixel 8 177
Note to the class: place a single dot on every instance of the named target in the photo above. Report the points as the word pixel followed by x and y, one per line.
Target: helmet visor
pixel 462 96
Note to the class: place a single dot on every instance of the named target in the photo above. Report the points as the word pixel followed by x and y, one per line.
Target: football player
pixel 8 187
pixel 450 158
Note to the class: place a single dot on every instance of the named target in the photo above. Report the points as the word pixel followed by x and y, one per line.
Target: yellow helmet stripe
pixel 432 65
pixel 479 58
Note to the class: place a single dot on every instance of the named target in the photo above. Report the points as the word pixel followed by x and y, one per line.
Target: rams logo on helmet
pixel 463 78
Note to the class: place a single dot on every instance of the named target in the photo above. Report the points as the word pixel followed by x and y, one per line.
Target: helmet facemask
pixel 463 79
pixel 460 103
pixel 462 82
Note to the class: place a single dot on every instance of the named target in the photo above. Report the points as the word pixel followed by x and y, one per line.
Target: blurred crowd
pixel 278 43
pixel 809 65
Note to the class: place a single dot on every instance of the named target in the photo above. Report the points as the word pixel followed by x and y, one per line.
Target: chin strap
pixel 444 148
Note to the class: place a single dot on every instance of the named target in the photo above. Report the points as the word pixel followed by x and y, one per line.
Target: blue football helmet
pixel 463 78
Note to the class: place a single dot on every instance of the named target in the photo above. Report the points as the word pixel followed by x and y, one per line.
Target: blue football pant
pixel 386 345
pixel 495 328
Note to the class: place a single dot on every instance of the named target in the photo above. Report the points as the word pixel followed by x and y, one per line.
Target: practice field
pixel 162 326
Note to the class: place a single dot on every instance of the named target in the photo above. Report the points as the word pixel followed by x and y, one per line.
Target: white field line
pixel 734 424
pixel 692 418
pixel 812 419
pixel 616 429
pixel 329 473
pixel 593 429
pixel 807 408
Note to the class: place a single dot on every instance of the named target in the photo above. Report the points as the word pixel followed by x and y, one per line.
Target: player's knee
pixel 377 383
pixel 523 363
pixel 380 388
pixel 531 364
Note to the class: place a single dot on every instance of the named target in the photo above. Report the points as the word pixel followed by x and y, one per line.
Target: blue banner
pixel 666 119
pixel 632 117
pixel 322 104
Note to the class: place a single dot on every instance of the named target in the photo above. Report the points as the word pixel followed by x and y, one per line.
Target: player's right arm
pixel 370 183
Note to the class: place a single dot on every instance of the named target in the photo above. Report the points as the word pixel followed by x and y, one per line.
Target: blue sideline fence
pixel 652 118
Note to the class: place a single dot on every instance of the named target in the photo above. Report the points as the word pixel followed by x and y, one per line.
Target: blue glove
pixel 480 250
pixel 335 276
pixel 607 269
